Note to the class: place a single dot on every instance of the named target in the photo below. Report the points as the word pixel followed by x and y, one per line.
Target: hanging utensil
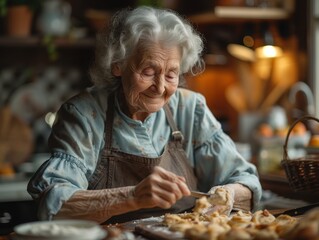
pixel 247 79
pixel 283 77
pixel 263 69
pixel 236 97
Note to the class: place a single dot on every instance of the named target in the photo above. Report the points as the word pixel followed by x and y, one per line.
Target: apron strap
pixel 176 134
pixel 109 121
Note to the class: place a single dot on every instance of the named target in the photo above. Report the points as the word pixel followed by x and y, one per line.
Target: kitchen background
pixel 256 96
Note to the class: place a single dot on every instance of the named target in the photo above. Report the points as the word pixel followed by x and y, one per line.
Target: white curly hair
pixel 128 28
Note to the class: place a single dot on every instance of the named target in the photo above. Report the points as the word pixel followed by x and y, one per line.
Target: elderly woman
pixel 135 144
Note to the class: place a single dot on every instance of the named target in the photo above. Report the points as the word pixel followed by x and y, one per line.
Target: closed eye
pixel 149 72
pixel 172 75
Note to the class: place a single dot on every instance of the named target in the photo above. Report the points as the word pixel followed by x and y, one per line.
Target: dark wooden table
pixel 131 226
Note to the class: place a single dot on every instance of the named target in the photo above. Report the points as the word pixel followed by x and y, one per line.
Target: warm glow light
pixel 268 51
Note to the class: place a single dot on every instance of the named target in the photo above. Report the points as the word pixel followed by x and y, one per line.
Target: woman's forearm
pixel 98 205
pixel 160 189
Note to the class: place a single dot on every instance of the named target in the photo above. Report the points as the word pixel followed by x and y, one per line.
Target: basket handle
pixel 305 117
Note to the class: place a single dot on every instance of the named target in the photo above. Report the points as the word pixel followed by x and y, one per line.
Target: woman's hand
pixel 236 196
pixel 221 200
pixel 160 189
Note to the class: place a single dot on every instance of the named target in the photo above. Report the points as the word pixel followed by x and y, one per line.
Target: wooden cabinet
pixel 235 15
pixel 33 52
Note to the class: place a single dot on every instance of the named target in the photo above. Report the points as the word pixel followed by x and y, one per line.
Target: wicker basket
pixel 302 173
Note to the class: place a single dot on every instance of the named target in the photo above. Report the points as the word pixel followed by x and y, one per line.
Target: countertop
pixel 14 189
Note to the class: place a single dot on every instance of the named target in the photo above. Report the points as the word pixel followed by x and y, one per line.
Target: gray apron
pixel 118 169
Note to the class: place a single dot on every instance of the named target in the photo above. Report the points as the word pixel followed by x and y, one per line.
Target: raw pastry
pixel 240 219
pixel 263 217
pixel 260 225
pixel 235 234
pixel 201 205
pixel 308 228
pixel 222 200
pixel 283 224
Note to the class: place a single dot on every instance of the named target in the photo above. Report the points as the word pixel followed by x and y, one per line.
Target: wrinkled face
pixel 149 79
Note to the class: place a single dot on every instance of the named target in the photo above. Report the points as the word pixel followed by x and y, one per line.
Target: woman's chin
pixel 151 108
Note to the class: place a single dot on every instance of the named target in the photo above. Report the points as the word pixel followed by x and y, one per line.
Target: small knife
pixel 198 194
pixel 298 211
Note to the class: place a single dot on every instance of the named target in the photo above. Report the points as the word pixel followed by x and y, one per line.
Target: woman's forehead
pixel 156 51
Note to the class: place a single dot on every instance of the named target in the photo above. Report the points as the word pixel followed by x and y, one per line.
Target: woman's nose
pixel 160 84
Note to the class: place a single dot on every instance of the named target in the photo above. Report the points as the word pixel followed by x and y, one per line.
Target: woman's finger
pixel 172 180
pixel 153 196
pixel 155 200
pixel 167 190
pixel 181 178
pixel 162 188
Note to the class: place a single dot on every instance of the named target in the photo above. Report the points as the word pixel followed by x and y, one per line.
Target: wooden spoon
pixel 247 81
pixel 284 76
pixel 236 97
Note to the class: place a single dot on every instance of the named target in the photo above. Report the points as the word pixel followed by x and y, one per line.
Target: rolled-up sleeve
pixel 218 161
pixel 75 148
pixel 55 182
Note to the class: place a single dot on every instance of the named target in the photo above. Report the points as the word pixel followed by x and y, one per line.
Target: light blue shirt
pixel 77 140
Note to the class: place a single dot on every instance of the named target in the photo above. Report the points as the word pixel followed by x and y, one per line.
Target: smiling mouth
pixel 153 96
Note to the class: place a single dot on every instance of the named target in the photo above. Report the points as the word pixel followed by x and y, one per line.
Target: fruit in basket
pixel 314 141
pixel 265 130
pixel 282 132
pixel 299 129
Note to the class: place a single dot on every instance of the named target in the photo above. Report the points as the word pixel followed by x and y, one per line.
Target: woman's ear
pixel 116 70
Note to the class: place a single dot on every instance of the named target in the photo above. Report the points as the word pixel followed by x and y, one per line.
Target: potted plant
pixel 18 16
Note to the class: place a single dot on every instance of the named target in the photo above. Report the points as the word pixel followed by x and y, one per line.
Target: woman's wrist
pixel 121 200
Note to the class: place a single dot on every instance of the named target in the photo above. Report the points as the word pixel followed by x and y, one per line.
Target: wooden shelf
pixel 36 41
pixel 241 14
